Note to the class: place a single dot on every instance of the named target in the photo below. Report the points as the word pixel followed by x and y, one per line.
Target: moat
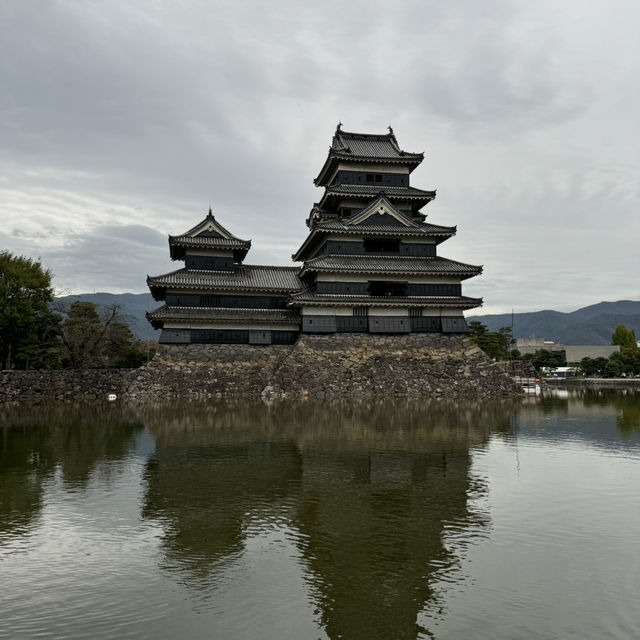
pixel 306 520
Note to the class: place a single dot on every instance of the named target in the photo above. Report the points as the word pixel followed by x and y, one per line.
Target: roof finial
pixel 390 129
pixel 210 212
pixel 338 128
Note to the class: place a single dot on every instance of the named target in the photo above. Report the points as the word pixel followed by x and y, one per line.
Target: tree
pixel 626 338
pixel 83 335
pixel 93 340
pixel 588 366
pixel 551 359
pixel 494 344
pixel 27 326
pixel 612 369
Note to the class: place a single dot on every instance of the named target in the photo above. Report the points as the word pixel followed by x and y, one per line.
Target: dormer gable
pixel 211 237
pixel 380 211
pixel 210 228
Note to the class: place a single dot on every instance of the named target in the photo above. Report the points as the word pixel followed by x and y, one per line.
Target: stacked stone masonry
pixel 357 365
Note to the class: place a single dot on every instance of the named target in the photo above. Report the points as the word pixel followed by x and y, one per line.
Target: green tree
pixel 27 326
pixel 600 365
pixel 551 359
pixel 626 338
pixel 123 349
pixel 612 369
pixel 494 344
pixel 588 366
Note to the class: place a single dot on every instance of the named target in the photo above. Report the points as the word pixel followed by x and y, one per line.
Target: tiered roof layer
pixel 365 147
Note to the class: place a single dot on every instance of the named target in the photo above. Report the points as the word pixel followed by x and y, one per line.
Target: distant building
pixel 573 353
pixel 533 344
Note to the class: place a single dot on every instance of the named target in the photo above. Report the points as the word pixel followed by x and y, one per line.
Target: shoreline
pixel 592 382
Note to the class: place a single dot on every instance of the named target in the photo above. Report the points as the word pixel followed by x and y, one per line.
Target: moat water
pixel 386 520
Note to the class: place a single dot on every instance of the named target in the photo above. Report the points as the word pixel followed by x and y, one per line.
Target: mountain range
pixel 590 325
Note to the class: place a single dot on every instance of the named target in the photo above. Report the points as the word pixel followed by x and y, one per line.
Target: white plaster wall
pixel 327 311
pixel 386 311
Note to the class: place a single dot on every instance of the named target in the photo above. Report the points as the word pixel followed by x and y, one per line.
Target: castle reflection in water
pixel 371 495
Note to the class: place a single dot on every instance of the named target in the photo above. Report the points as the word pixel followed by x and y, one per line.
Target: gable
pixel 380 212
pixel 209 228
pixel 206 233
pixel 380 218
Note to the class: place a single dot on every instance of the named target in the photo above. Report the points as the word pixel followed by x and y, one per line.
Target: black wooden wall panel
pixel 372 178
pixel 455 324
pixel 209 263
pixel 319 324
pixel 425 324
pixel 389 324
pixel 434 289
pixel 226 301
pixel 352 324
pixel 175 336
pixel 259 337
pixel 358 248
pixel 341 288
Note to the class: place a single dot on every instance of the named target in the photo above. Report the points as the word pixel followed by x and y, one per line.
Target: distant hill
pixel 132 305
pixel 590 325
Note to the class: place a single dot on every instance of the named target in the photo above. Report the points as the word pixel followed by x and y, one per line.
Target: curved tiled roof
pixel 366 147
pixel 391 265
pixel 243 278
pixel 369 145
pixel 208 234
pixel 372 190
pixel 377 219
pixel 312 298
pixel 420 229
pixel 210 222
pixel 212 242
pixel 157 317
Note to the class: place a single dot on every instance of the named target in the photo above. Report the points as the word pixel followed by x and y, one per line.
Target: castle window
pixel 381 245
pixel 370 177
pixel 378 178
pixel 382 288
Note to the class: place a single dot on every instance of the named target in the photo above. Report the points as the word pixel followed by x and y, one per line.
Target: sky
pixel 122 122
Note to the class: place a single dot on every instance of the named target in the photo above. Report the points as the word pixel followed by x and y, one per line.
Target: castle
pixel 370 263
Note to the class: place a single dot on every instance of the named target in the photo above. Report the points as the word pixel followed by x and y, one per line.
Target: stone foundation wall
pixel 419 365
pixel 427 365
pixel 209 370
pixel 66 384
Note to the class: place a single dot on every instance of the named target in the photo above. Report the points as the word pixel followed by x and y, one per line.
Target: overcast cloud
pixel 122 121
